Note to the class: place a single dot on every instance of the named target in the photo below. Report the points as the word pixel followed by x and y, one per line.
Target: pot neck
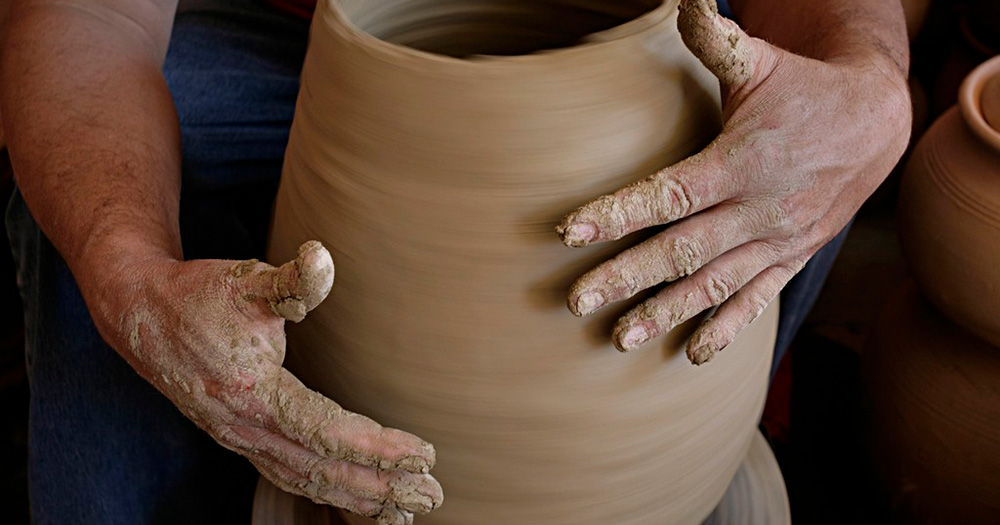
pixel 970 101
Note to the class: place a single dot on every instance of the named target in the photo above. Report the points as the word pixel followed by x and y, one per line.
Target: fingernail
pixel 588 302
pixel 409 499
pixel 410 464
pixel 701 354
pixel 390 516
pixel 579 234
pixel 635 336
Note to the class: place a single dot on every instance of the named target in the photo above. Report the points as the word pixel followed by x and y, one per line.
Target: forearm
pixel 92 131
pixel 830 30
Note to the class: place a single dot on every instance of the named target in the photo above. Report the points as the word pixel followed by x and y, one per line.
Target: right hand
pixel 210 336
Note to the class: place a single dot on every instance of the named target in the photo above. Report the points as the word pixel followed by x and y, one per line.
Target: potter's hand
pixel 805 142
pixel 210 336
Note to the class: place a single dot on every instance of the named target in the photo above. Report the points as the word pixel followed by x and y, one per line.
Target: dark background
pixel 813 416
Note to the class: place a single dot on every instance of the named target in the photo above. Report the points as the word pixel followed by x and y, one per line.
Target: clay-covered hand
pixel 804 143
pixel 210 335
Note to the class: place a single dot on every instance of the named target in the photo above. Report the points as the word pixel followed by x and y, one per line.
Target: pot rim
pixel 970 101
pixel 334 13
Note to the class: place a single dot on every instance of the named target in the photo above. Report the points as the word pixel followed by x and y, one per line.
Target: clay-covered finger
pixel 690 186
pixel 308 417
pixel 717 332
pixel 708 287
pixel 293 289
pixel 391 516
pixel 720 44
pixel 419 493
pixel 289 481
pixel 677 252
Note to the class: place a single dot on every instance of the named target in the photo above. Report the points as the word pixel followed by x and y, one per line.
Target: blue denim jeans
pixel 105 447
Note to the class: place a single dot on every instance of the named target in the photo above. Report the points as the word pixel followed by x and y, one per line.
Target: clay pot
pixel 933 395
pixel 437 183
pixel 950 212
pixel 990 100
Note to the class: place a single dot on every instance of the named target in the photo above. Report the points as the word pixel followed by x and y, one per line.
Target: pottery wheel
pixel 756 496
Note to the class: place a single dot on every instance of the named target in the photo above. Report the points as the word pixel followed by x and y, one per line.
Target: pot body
pixel 949 218
pixel 933 395
pixel 437 183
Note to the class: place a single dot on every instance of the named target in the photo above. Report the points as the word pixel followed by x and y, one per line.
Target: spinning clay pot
pixel 435 147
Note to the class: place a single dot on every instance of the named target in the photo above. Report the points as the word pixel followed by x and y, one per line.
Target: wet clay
pixel 437 182
pixel 756 496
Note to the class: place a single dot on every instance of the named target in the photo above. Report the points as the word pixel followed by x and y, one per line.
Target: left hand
pixel 804 143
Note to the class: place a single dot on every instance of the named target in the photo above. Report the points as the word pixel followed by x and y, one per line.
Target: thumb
pixel 296 287
pixel 720 44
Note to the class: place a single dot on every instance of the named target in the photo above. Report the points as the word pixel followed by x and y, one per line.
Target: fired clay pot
pixel 933 395
pixel 950 212
pixel 437 182
pixel 990 99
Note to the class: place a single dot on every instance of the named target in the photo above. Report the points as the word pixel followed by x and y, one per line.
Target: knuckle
pixel 760 153
pixel 757 302
pixel 791 268
pixel 773 216
pixel 316 471
pixel 772 250
pixel 335 475
pixel 718 288
pixel 228 436
pixel 686 256
pixel 673 195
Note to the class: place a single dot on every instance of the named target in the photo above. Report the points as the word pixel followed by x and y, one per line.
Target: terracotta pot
pixel 437 182
pixel 950 212
pixel 990 100
pixel 933 395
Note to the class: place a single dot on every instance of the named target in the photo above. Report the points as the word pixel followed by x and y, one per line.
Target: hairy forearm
pixel 92 131
pixel 830 30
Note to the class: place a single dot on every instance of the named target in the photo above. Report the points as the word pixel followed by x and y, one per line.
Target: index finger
pixel 692 185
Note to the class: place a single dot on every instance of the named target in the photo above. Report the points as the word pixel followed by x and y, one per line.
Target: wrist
pixel 115 276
